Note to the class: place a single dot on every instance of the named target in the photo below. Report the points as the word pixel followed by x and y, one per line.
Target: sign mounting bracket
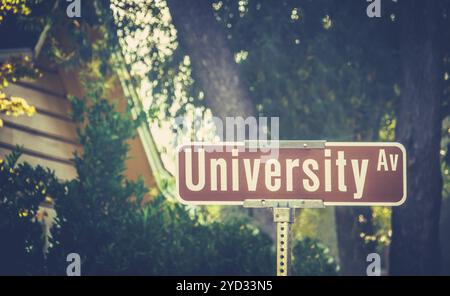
pixel 286 144
pixel 287 203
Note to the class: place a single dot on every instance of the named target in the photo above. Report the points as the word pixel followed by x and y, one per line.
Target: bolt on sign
pixel 337 173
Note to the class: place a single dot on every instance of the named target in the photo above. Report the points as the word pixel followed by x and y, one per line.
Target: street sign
pixel 338 174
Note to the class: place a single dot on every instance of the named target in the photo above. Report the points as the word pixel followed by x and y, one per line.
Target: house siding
pixel 49 137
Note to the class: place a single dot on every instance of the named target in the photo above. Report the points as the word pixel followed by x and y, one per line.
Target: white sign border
pixel 327 144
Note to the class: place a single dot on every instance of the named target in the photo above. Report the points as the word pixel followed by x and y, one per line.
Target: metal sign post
pixel 283 216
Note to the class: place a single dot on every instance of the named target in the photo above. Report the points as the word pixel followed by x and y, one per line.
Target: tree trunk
pixel 353 224
pixel 215 70
pixel 212 61
pixel 415 242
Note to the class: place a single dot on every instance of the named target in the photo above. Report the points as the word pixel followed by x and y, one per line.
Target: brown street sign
pixel 353 174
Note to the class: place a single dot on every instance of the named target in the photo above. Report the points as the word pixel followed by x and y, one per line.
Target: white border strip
pixel 327 144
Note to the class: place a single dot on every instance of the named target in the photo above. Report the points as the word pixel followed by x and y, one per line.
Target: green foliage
pixel 101 215
pixel 86 39
pixel 325 75
pixel 150 47
pixel 317 224
pixel 238 249
pixel 103 137
pixel 101 202
pixel 103 219
pixel 381 217
pixel 163 239
pixel 23 188
pixel 312 258
pixel 13 7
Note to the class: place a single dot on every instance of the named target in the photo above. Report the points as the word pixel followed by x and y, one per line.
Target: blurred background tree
pixel 415 243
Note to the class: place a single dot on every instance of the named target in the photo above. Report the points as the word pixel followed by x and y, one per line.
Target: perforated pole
pixel 283 217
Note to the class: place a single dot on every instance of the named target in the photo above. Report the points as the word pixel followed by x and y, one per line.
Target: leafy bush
pixel 103 219
pixel 218 248
pixel 101 216
pixel 312 258
pixel 162 238
pixel 101 203
pixel 23 188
